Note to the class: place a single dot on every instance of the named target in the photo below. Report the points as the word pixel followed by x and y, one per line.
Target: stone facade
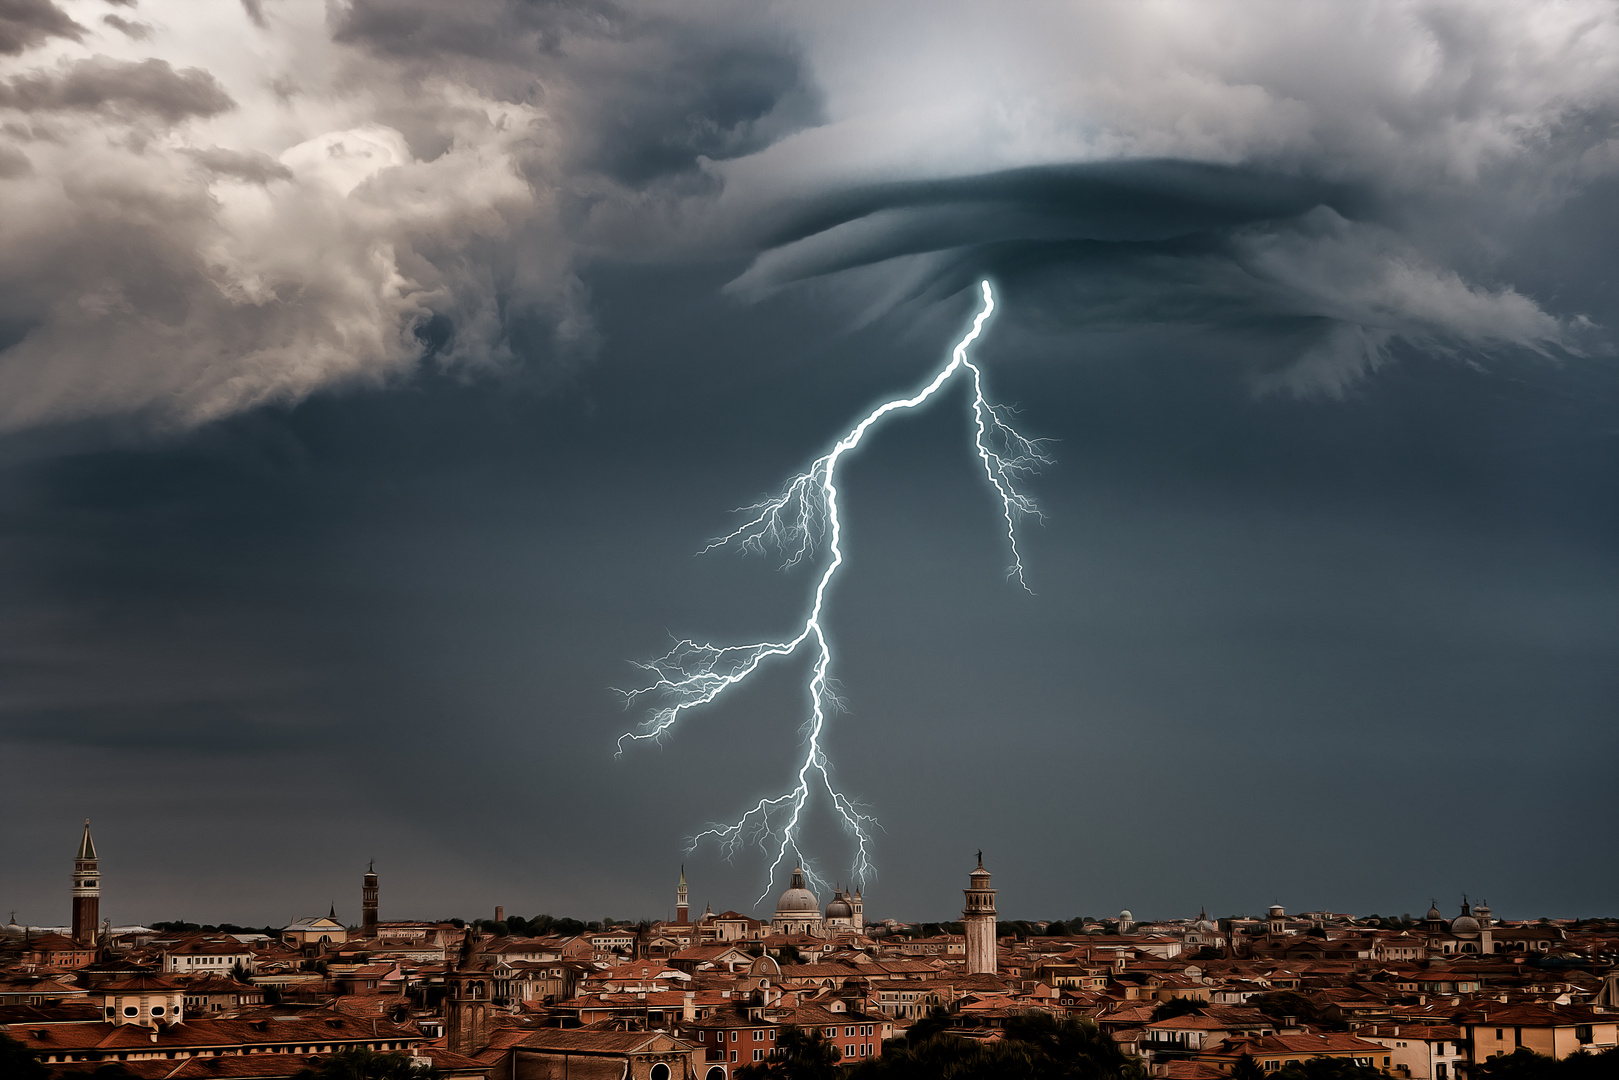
pixel 978 918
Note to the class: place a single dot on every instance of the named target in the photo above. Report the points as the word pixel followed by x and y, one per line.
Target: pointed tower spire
pixel 86 890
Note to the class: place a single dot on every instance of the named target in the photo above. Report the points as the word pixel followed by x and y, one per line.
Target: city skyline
pixel 366 885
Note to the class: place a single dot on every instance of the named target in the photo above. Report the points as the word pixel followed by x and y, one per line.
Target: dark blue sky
pixel 1326 597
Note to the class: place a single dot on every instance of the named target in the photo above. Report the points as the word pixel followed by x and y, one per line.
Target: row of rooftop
pixel 1193 998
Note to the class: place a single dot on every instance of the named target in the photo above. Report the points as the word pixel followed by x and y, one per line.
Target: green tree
pixel 1280 1004
pixel 1247 1068
pixel 367 1065
pixel 16 1060
pixel 1071 1046
pixel 1322 1068
pixel 1588 1066
pixel 1519 1065
pixel 1034 1047
pixel 1176 1006
pixel 935 1021
pixel 800 1054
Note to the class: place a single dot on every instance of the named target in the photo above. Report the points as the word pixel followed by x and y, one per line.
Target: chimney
pixel 500 913
pixel 688 1006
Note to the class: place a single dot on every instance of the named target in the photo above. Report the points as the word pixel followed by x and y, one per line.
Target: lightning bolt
pixel 794 523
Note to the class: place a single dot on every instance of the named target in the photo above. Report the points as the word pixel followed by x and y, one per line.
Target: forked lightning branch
pixel 800 525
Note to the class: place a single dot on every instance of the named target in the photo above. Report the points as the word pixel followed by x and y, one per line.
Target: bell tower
pixel 466 1002
pixel 979 919
pixel 86 891
pixel 682 908
pixel 368 901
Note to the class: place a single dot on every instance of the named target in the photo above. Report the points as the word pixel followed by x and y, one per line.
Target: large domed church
pixel 799 911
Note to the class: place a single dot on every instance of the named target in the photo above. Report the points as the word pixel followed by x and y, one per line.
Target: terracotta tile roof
pixel 137 983
pixel 228 1067
pixel 210 1032
pixel 587 1041
pixel 1304 1045
pixel 1188 1023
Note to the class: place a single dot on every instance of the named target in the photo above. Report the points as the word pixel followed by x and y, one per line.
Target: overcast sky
pixel 371 373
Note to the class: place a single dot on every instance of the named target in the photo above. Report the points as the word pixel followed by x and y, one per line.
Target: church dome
pixel 839 909
pixel 1463 924
pixel 798 900
pixel 1435 915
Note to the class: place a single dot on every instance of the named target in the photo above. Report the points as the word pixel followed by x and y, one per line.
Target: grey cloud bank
pixel 446 168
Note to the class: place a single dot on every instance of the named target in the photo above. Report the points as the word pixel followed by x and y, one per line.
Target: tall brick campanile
pixel 368 902
pixel 979 919
pixel 86 891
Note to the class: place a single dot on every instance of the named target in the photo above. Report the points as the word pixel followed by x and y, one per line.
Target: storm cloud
pixel 422 179
pixel 26 23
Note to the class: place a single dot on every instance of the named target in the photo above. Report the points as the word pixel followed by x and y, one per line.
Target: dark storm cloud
pixel 130 28
pixel 13 163
pixel 503 31
pixel 1108 200
pixel 121 89
pixel 255 13
pixel 253 167
pixel 26 23
pixel 1119 244
pixel 447 168
pixel 646 97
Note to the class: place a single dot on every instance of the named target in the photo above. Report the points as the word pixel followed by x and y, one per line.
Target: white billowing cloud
pixel 1415 93
pixel 1376 288
pixel 226 204
pixel 230 222
pixel 344 160
pixel 1422 106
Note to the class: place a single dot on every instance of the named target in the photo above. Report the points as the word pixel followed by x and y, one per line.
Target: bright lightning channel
pixel 694 673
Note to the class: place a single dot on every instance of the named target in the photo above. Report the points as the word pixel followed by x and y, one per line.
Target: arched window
pixel 660 1071
pixel 716 1073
